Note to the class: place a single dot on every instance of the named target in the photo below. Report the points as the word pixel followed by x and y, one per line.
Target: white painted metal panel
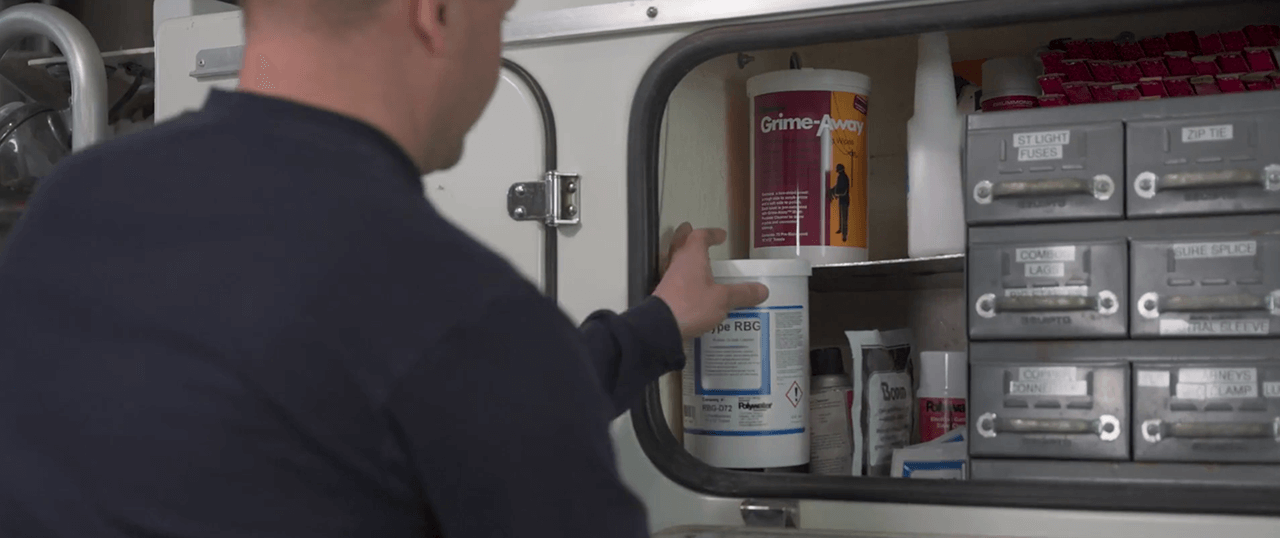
pixel 177 42
pixel 505 147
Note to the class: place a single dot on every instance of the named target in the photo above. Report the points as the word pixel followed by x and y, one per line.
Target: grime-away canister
pixel 746 382
pixel 809 165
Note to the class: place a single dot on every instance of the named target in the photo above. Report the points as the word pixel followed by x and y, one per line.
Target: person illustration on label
pixel 840 192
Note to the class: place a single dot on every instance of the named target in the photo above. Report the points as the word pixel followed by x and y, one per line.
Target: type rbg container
pixel 809 165
pixel 746 382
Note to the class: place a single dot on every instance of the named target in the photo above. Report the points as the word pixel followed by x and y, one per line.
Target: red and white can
pixel 944 393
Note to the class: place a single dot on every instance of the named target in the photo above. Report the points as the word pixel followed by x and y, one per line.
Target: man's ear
pixel 429 22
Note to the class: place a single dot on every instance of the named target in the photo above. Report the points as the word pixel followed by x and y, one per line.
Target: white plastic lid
pixel 760 268
pixel 807 79
pixel 944 374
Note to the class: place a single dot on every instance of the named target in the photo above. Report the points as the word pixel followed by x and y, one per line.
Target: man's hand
pixel 697 301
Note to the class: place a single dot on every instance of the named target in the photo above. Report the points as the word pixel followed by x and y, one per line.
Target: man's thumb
pixel 747 294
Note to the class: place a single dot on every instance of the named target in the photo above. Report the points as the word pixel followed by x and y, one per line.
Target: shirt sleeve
pixel 507 426
pixel 632 349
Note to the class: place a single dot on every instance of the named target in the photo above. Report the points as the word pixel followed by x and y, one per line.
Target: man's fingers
pixel 747 294
pixel 705 238
pixel 680 236
pixel 715 236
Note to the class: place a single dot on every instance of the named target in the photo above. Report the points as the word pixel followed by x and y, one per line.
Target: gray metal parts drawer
pixel 1224 163
pixel 1049 410
pixel 1045 173
pixel 1206 286
pixel 1207 412
pixel 1048 290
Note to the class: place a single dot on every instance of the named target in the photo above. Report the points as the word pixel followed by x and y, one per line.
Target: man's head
pixel 420 70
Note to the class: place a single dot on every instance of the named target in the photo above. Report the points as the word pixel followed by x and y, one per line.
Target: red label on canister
pixel 810 169
pixel 939 416
pixel 1010 102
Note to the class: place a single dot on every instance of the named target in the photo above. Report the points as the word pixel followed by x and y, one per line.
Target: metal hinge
pixel 554 200
pixel 771 513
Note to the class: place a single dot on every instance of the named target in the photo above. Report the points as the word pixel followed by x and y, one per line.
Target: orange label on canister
pixel 847 226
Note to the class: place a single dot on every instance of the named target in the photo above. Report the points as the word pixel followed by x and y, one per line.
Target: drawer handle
pixel 1100 187
pixel 1155 430
pixel 1152 304
pixel 1105 303
pixel 1147 184
pixel 1106 427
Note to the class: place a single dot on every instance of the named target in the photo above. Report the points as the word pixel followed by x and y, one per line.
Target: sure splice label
pixel 810 169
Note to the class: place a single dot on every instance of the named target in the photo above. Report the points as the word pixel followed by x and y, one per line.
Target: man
pixel 840 194
pixel 249 322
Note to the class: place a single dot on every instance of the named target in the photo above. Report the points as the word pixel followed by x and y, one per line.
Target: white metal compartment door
pixel 505 147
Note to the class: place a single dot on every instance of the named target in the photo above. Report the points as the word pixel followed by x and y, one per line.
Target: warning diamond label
pixel 794 394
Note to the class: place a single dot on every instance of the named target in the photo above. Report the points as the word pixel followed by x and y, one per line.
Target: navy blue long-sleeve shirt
pixel 249 322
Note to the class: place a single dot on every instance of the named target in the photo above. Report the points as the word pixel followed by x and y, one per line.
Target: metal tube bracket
pixel 1106 427
pixel 1151 305
pixel 1156 430
pixel 1148 184
pixel 1100 186
pixel 1105 303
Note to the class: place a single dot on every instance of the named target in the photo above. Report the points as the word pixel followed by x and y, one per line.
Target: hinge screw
pixel 519 212
pixel 571 210
pixel 571 186
pixel 521 190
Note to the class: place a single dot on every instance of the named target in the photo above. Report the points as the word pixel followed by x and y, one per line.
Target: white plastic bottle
pixel 935 207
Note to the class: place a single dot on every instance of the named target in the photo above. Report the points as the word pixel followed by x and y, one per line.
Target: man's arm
pixel 633 349
pixel 506 425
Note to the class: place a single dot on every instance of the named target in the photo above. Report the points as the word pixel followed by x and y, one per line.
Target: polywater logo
pixel 825 125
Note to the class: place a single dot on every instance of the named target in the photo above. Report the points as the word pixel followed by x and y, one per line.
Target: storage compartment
pixel 695 165
pixel 1224 160
pixel 1062 170
pixel 1207 286
pixel 1048 290
pixel 1201 411
pixel 1049 410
